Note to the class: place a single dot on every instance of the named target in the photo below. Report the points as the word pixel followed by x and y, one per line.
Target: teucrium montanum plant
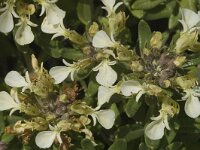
pixel 156 77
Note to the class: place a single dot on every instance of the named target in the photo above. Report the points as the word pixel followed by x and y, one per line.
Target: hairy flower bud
pixel 156 40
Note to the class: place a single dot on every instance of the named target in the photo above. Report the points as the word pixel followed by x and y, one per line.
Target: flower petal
pixel 106 118
pixel 117 5
pixel 59 73
pixel 45 139
pixel 104 94
pixel 46 27
pixel 189 18
pixel 106 75
pixel 139 95
pixel 102 40
pixel 14 79
pixel 24 35
pixel 54 14
pixel 6 101
pixel 155 130
pixel 130 87
pixel 192 107
pixel 109 3
pixel 7 23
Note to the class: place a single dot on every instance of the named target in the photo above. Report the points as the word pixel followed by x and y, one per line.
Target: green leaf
pixel 144 34
pixel 142 146
pixel 175 146
pixel 100 146
pixel 138 13
pixel 26 147
pixel 115 109
pixel 71 54
pixel 130 132
pixel 54 49
pixel 190 4
pixel 158 13
pixel 2 123
pixel 173 21
pixel 86 144
pixel 171 134
pixel 119 144
pixel 174 17
pixel 192 62
pixel 146 4
pixel 125 35
pixel 132 107
pixel 56 53
pixel 13 119
pixel 92 86
pixel 84 11
pixel 6 138
pixel 152 144
pixel 132 135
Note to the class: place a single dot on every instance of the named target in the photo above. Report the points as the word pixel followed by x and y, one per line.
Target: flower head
pixel 60 73
pixel 106 75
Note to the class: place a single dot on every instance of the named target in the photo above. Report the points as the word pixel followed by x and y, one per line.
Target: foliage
pixel 134 69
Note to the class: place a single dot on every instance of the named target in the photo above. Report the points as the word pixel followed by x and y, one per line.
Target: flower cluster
pixel 63 113
pixel 50 101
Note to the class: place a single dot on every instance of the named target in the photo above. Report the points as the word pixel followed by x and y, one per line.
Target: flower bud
pixel 185 82
pixel 93 29
pixel 136 66
pixel 117 22
pixel 179 61
pixel 186 41
pixel 156 40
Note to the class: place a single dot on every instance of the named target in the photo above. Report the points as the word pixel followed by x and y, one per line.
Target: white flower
pixel 105 93
pixel 14 79
pixel 60 73
pixel 102 40
pixel 132 87
pixel 56 29
pixel 6 18
pixel 105 117
pixel 106 75
pixel 24 34
pixel 53 13
pixel 192 105
pixel 190 20
pixel 9 102
pixel 155 130
pixel 109 6
pixel 45 139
